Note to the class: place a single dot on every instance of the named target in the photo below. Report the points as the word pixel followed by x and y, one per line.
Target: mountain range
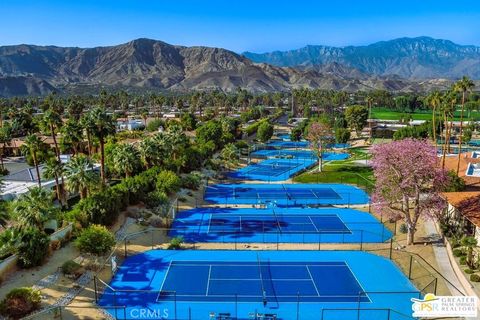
pixel 407 64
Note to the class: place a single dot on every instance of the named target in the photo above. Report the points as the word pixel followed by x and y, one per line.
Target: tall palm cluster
pixel 444 105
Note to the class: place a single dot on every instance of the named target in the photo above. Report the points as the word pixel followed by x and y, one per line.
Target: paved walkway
pixel 443 261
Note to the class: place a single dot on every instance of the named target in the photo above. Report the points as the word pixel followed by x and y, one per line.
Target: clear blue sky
pixel 258 26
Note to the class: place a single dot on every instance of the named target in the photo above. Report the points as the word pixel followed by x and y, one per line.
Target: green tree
pixel 80 175
pixel 53 170
pixel 103 126
pixel 435 101
pixel 319 135
pixel 342 135
pixel 32 146
pixel 229 154
pixel 126 159
pixel 356 117
pixel 463 86
pixel 32 249
pixel 34 208
pixel 469 243
pixel 95 239
pixel 168 182
pixel 5 140
pixel 265 131
pixel 188 121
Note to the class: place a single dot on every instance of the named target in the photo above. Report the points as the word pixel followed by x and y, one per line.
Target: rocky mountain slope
pixel 414 58
pixel 145 64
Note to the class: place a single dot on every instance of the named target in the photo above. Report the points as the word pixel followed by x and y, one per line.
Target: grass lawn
pixel 387 114
pixel 339 173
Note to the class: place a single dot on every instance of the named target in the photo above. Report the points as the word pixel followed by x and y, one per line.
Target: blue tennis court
pixel 288 144
pixel 284 153
pixel 288 284
pixel 251 281
pixel 272 169
pixel 278 225
pixel 288 195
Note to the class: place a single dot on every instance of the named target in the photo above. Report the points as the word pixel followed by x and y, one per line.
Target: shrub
pixel 463 260
pixel 156 198
pixel 71 268
pixel 20 302
pixel 264 131
pixel 168 182
pixel 458 253
pixel 156 222
pixel 33 248
pixel 403 228
pixel 475 277
pixel 468 271
pixel 175 243
pixel 96 240
pixel 191 181
pixel 155 124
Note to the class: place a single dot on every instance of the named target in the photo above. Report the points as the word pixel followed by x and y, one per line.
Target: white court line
pixel 163 281
pixel 313 226
pixel 356 279
pixel 348 229
pixel 208 280
pixel 313 281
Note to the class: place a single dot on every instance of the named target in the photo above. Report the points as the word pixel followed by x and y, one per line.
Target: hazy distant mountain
pixel 145 64
pixel 415 58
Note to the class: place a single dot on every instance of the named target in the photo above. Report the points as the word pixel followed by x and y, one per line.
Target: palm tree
pixel 5 140
pixel 34 208
pixel 4 218
pixel 87 125
pixel 80 176
pixel 434 100
pixel 369 101
pixel 126 159
pixel 53 121
pixel 53 170
pixel 464 85
pixel 32 146
pixel 148 151
pixel 103 126
pixel 72 135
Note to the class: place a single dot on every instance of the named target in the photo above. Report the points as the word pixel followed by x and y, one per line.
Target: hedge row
pixel 104 207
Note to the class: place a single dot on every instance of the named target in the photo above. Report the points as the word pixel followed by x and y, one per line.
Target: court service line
pixel 313 281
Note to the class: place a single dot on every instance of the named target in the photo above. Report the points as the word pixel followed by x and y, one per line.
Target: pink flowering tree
pixel 408 182
pixel 319 134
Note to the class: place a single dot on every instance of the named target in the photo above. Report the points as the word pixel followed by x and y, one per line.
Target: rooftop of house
pixel 467 204
pixel 472 183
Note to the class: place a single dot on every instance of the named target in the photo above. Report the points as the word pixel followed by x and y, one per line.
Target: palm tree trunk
pixel 461 133
pixel 102 160
pixel 446 137
pixel 434 128
pixel 60 189
pixel 34 155
pixel 89 144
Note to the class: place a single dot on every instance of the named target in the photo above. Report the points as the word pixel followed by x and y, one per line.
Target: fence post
pixel 435 286
pixel 361 240
pixel 391 247
pixel 175 301
pixel 410 268
pixel 125 246
pixel 95 288
pixel 298 304
pixel 115 303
